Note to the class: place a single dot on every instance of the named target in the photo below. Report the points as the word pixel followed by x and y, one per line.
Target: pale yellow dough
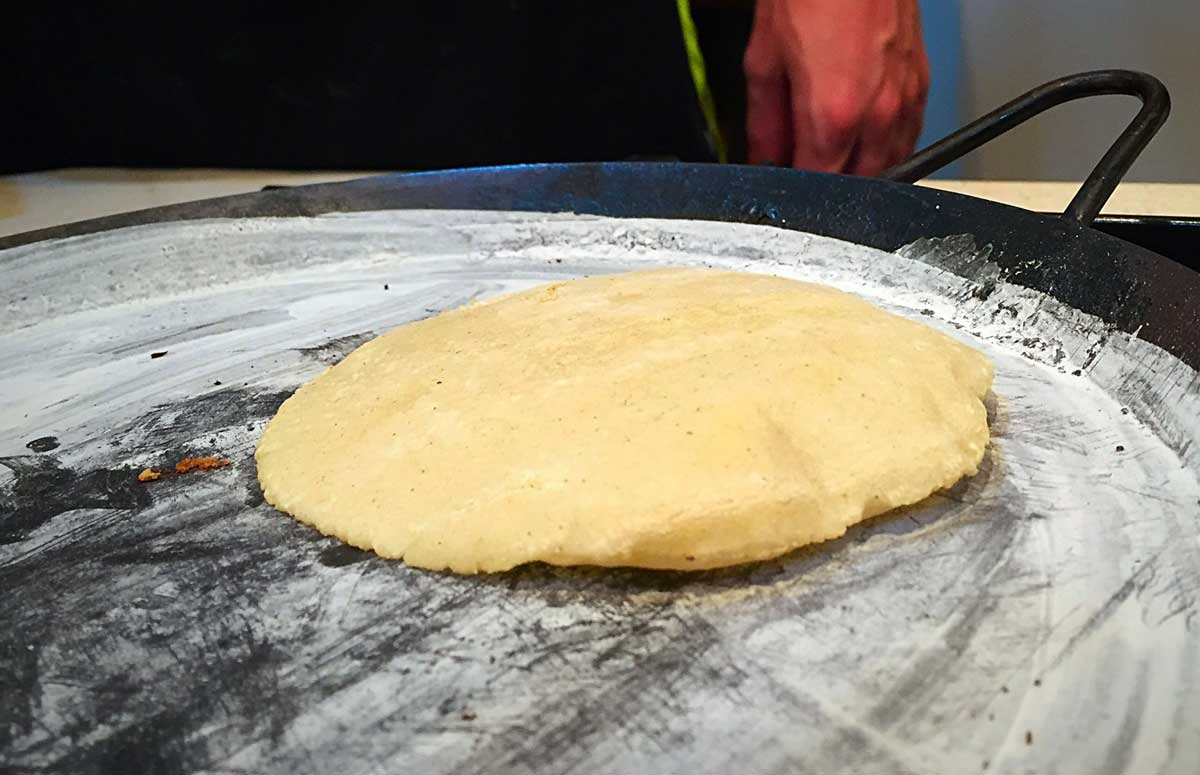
pixel 678 418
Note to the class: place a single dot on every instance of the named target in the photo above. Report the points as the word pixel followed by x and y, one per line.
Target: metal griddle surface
pixel 1040 616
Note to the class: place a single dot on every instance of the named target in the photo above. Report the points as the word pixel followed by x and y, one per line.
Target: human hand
pixel 835 85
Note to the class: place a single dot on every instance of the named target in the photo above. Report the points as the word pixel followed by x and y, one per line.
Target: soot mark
pixel 958 254
pixel 43 444
pixel 163 554
pixel 157 745
pixel 145 736
pixel 1137 583
pixel 334 350
pixel 180 426
pixel 1121 748
pixel 42 489
pixel 651 656
pixel 340 555
pixel 240 322
pixel 18 682
pixel 254 494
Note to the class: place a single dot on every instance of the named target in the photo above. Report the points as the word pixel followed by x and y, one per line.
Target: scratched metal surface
pixel 1040 617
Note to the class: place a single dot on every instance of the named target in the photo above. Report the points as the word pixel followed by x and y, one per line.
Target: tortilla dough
pixel 678 418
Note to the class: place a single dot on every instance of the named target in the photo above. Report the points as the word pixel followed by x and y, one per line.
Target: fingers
pixel 826 127
pixel 916 97
pixel 835 87
pixel 768 121
pixel 884 134
pixel 768 115
pixel 894 120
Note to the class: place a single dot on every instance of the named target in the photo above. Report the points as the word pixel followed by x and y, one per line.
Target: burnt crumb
pixel 385 286
pixel 468 715
pixel 216 383
pixel 1077 373
pixel 927 312
pixel 205 463
pixel 43 444
pixel 1028 737
pixel 1124 410
pixel 558 260
pixel 158 354
pixel 1037 682
pixel 1120 448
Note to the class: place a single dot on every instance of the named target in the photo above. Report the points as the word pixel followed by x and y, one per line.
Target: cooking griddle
pixel 1040 616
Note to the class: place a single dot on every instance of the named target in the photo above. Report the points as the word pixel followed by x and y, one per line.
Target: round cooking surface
pixel 1040 616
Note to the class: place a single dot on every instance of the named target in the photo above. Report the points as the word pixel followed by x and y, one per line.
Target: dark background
pixel 397 86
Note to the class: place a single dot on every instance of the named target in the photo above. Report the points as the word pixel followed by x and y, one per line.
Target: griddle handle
pixel 1095 191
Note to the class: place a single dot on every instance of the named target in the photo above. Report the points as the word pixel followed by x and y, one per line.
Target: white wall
pixel 1009 46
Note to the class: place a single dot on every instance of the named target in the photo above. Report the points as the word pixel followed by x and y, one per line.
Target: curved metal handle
pixel 1095 191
